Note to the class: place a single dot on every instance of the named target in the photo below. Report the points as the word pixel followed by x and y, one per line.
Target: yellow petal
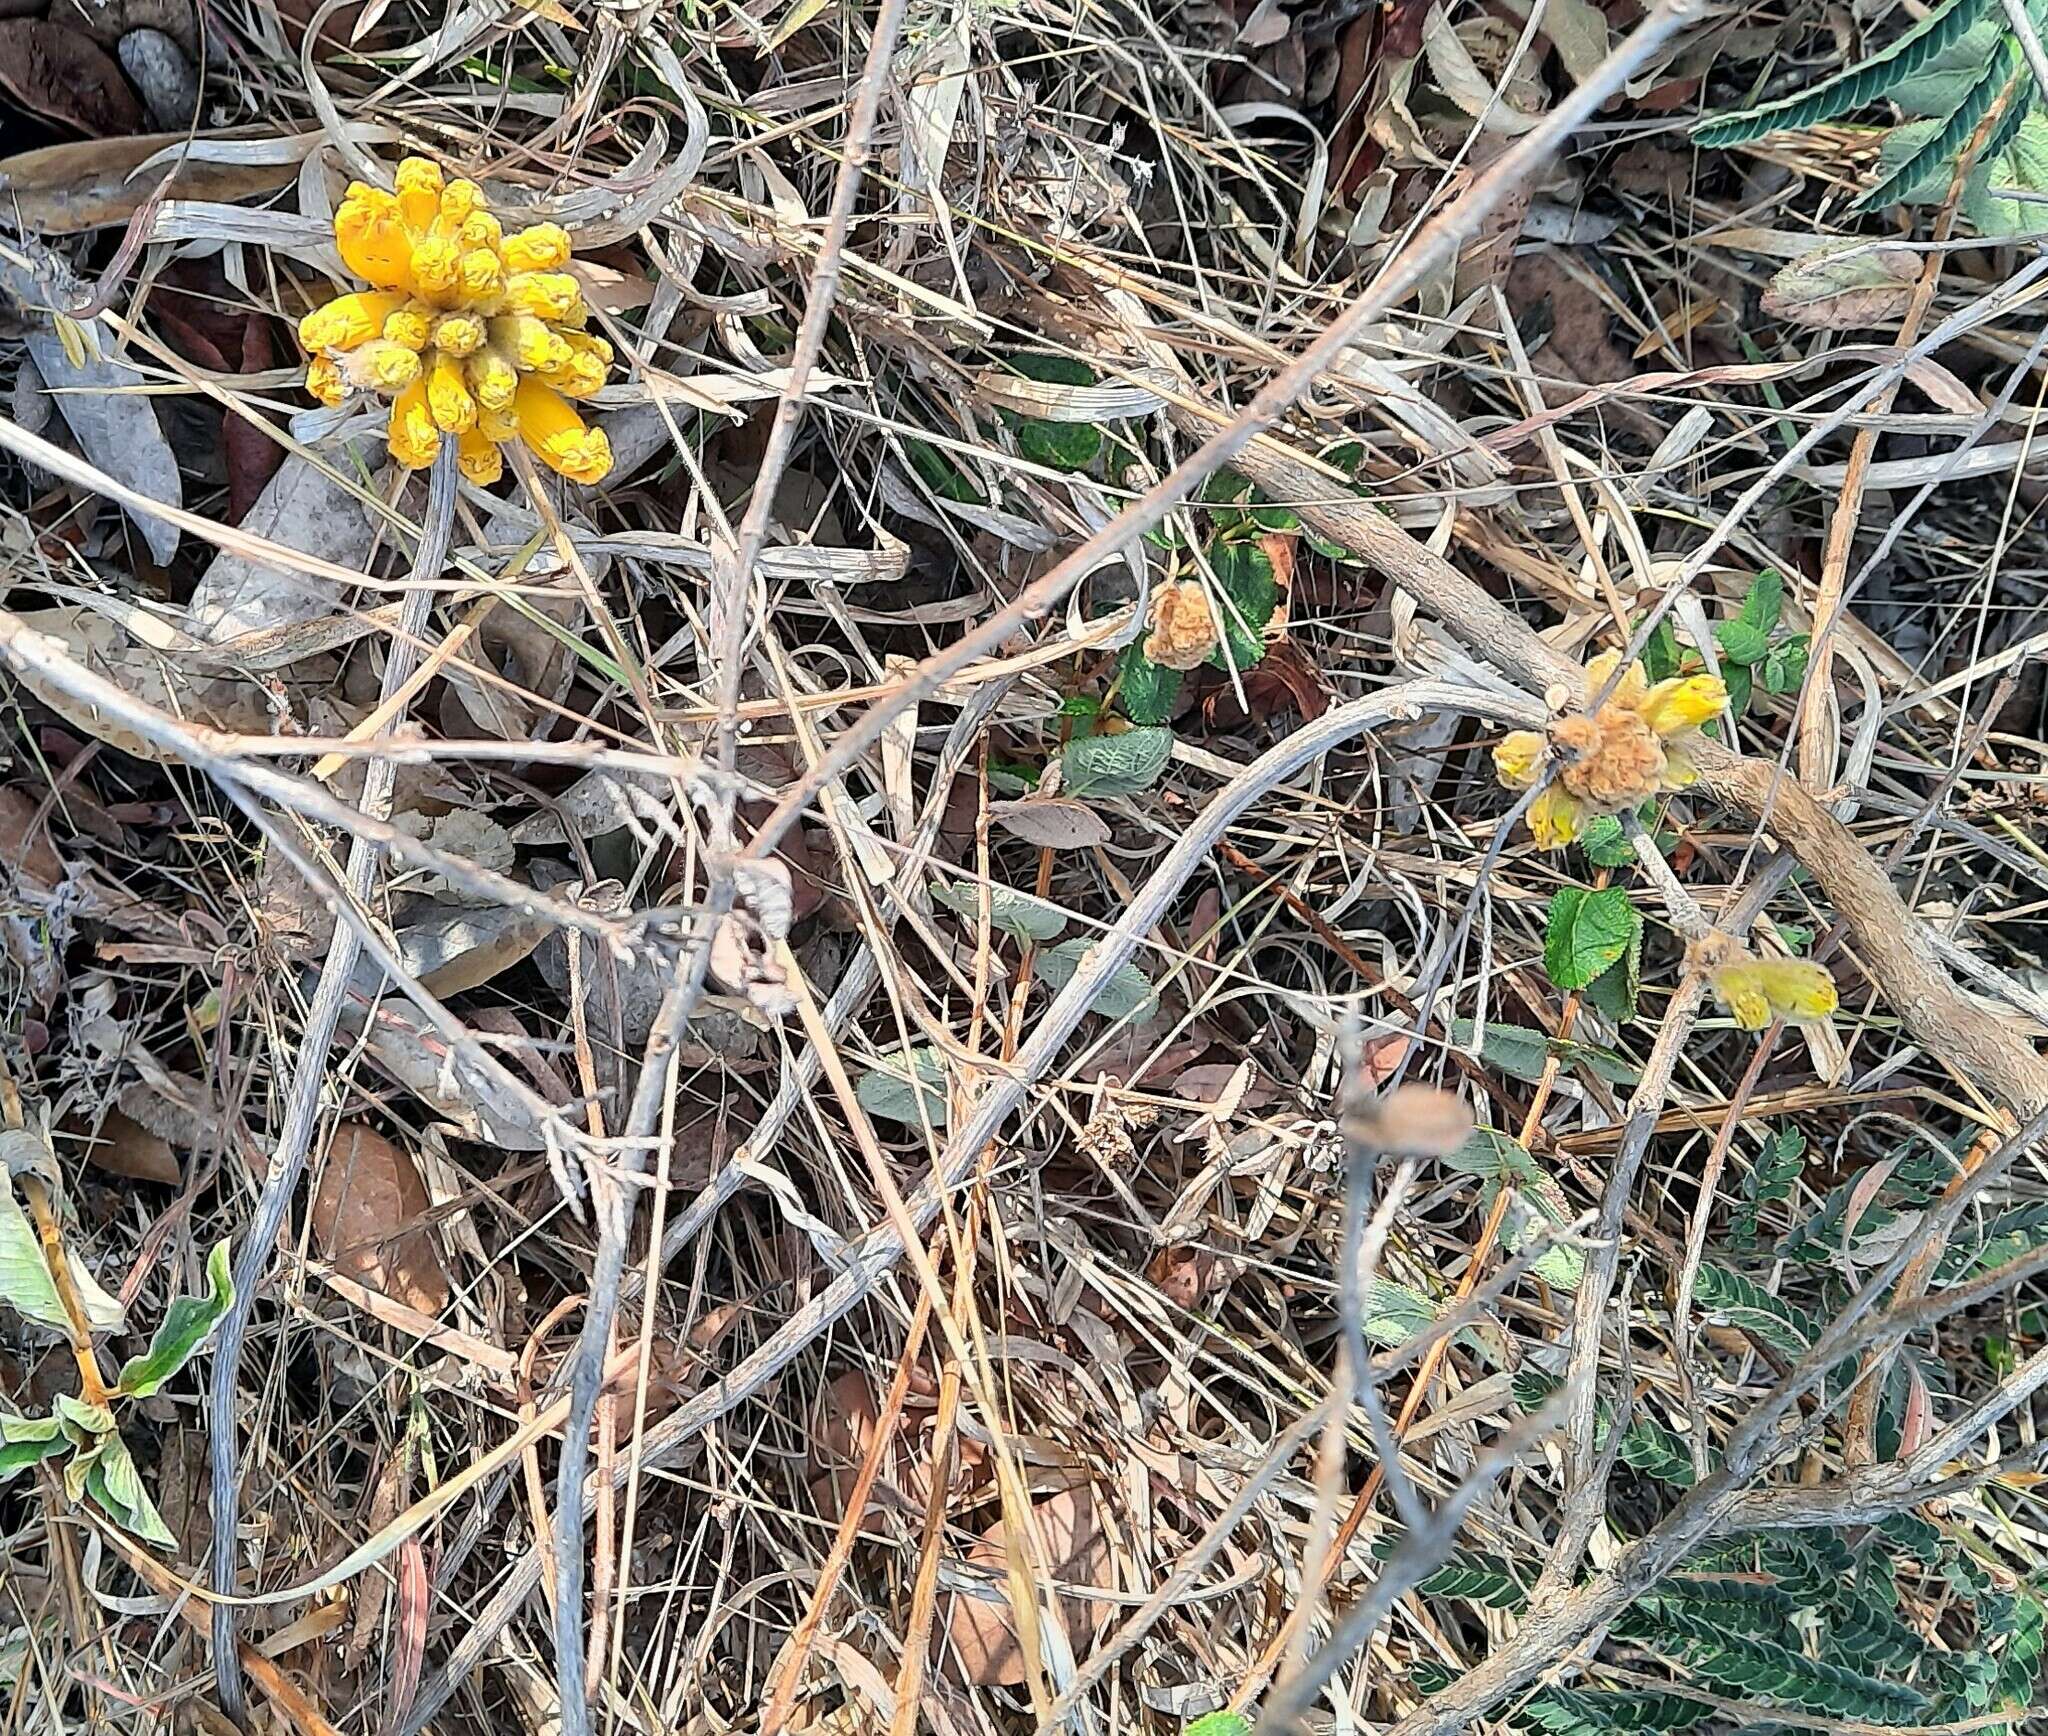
pixel 478 455
pixel 493 380
pixel 499 425
pixel 1554 818
pixel 548 295
pixel 448 397
pixel 348 320
pixel 1797 988
pixel 480 276
pixel 1518 757
pixel 413 438
pixel 460 201
pixel 549 424
pixel 372 241
pixel 1679 772
pixel 1683 703
pixel 583 377
pixel 411 326
pixel 324 381
pixel 458 334
pixel 586 344
pixel 383 366
pixel 480 229
pixel 419 193
pixel 436 270
pixel 531 343
pixel 1740 989
pixel 542 247
pixel 1628 691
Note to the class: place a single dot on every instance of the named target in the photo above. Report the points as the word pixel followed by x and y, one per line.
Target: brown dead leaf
pixel 841 1439
pixel 93 183
pixel 985 1651
pixel 1183 1275
pixel 126 1148
pixel 64 76
pixel 29 858
pixel 1844 286
pixel 365 1216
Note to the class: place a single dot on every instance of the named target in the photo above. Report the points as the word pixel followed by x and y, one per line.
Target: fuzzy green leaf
pixel 1587 932
pixel 1115 765
pixel 1015 913
pixel 1522 1053
pixel 1146 690
pixel 1128 992
pixel 1250 595
pixel 894 1088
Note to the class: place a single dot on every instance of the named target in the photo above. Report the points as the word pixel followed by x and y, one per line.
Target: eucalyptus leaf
pixel 1128 992
pixel 185 1325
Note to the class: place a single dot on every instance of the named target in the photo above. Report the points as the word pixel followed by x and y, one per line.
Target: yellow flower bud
pixel 382 366
pixel 1554 818
pixel 1518 757
pixel 1738 989
pixel 460 200
pixel 501 424
pixel 548 295
pixel 480 229
pixel 348 320
pixel 581 377
pixel 448 397
pixel 584 344
pixel 530 342
pixel 1683 703
pixel 324 381
pixel 371 239
pixel 413 438
pixel 458 334
pixel 549 424
pixel 1753 990
pixel 481 276
pixel 543 247
pixel 419 193
pixel 493 381
pixel 411 326
pixel 481 461
pixel 435 270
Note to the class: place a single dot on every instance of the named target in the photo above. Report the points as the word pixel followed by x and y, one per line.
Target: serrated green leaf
pixel 895 1086
pixel 1523 1053
pixel 1855 88
pixel 1015 913
pixel 1530 1218
pixel 1741 687
pixel 1115 765
pixel 1785 664
pixel 116 1488
pixel 1250 595
pixel 1494 1157
pixel 185 1325
pixel 1224 487
pixel 1605 843
pixel 1146 690
pixel 1587 932
pixel 1615 990
pixel 1218 1724
pixel 1741 643
pixel 1126 994
pixel 1764 601
pixel 1058 445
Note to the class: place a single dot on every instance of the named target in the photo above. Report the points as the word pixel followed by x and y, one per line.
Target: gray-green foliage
pixel 1951 71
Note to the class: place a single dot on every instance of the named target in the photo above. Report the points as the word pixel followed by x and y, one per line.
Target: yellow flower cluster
pixel 467 330
pixel 1612 759
pixel 1754 991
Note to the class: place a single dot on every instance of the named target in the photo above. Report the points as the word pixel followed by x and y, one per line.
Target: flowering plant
pixel 468 331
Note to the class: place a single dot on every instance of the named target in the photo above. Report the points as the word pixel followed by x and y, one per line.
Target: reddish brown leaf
pixel 126 1148
pixel 365 1219
pixel 253 456
pixel 66 77
pixel 985 1650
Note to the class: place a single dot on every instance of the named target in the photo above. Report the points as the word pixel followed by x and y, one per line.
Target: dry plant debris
pixel 1221 908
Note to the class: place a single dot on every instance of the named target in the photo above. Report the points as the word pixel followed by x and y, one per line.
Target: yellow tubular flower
pixel 493 380
pixel 582 377
pixel 1518 758
pixel 478 455
pixel 1756 990
pixel 480 229
pixel 419 194
pixel 549 424
pixel 1554 818
pixel 458 334
pixel 500 425
pixel 460 200
pixel 480 276
pixel 586 345
pixel 324 381
pixel 532 344
pixel 1738 989
pixel 543 247
pixel 382 366
pixel 1631 688
pixel 348 320
pixel 1683 703
pixel 548 295
pixel 411 326
pixel 435 270
pixel 413 438
pixel 373 243
pixel 448 397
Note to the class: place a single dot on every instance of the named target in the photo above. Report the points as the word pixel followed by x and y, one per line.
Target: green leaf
pixel 1016 913
pixel 1662 655
pixel 1615 990
pixel 1522 1053
pixel 185 1325
pixel 1605 843
pixel 1759 1666
pixel 1587 932
pixel 1530 1217
pixel 116 1487
pixel 1765 601
pixel 941 475
pixel 1225 487
pixel 1115 765
pixel 1494 1157
pixel 1936 155
pixel 1857 87
pixel 1128 992
pixel 1750 1308
pixel 1785 665
pixel 1219 1724
pixel 1742 642
pixel 1741 686
pixel 1146 690
pixel 1058 445
pixel 25 1282
pixel 895 1087
pixel 1250 595
pixel 2012 164
pixel 26 1442
pixel 1481 1579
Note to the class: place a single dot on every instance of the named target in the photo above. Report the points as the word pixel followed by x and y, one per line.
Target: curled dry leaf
pixel 1844 286
pixel 126 1148
pixel 366 1215
pixel 984 1650
pixel 64 76
pixel 1051 822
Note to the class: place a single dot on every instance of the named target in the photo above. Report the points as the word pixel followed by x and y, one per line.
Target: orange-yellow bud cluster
pixel 470 332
